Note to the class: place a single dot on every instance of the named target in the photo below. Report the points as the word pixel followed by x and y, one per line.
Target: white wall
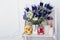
pixel 11 22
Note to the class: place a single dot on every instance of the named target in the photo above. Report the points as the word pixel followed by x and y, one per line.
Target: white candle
pixel 34 29
pixel 51 31
pixel 46 29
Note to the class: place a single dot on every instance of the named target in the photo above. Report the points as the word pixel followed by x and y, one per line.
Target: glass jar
pixel 40 30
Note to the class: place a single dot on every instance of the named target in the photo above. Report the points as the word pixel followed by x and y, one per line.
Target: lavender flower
pixel 41 3
pixel 34 7
pixel 48 6
pixel 27 9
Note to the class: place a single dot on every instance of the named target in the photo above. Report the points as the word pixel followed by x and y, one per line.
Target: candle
pixel 46 29
pixel 34 29
pixel 51 31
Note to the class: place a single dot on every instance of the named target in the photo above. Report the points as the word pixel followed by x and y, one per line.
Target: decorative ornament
pixel 28 30
pixel 40 30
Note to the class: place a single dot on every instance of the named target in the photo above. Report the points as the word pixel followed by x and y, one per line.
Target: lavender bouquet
pixel 38 13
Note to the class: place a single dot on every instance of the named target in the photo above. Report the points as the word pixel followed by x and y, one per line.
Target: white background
pixel 11 22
